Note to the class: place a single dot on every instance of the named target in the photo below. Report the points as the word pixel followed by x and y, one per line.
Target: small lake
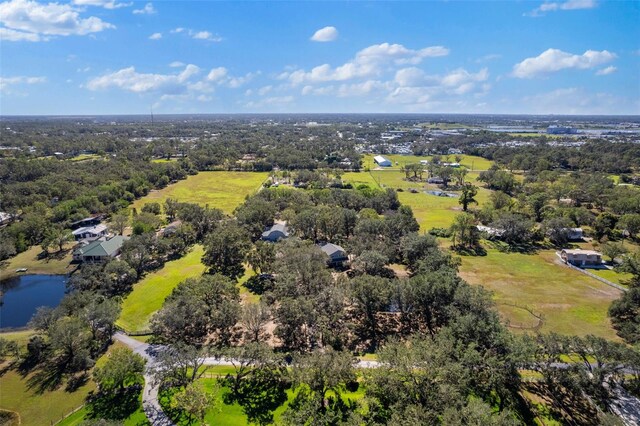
pixel 22 295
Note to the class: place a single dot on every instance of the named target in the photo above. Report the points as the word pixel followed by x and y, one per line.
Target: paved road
pixel 625 406
pixel 150 403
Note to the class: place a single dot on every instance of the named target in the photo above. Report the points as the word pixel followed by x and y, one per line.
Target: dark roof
pixel 332 249
pixel 277 227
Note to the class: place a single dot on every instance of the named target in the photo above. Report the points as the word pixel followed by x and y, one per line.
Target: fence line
pixel 64 416
pixel 605 281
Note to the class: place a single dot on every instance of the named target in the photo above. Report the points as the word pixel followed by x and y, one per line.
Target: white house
pixel 382 161
pixel 90 232
pixel 581 258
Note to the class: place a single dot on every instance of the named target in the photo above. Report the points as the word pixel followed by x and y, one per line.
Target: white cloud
pixel 325 34
pixel 85 69
pixel 197 35
pixel 552 60
pixel 7 82
pixel 370 61
pixel 576 100
pixel 566 5
pixel 148 9
pixel 274 101
pixel 130 80
pixel 264 90
pixel 107 4
pixel 204 35
pixel 155 36
pixel 606 71
pixel 31 21
pixel 176 64
pixel 487 58
pixel 217 74
pixel 12 35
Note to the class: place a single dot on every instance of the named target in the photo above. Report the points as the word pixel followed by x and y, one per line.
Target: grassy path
pixel 149 294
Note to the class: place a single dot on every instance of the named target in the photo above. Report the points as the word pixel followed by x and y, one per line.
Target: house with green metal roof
pixel 100 250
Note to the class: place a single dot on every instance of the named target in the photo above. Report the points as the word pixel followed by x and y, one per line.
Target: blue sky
pixel 119 57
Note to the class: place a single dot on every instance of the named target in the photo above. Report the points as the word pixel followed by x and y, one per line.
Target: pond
pixel 21 296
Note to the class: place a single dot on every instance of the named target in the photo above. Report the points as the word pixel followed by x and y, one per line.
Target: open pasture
pixel 469 161
pixel 222 190
pixel 570 303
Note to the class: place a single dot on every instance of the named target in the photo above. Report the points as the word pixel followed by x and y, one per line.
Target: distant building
pixel 382 161
pixel 436 180
pixel 560 130
pixel 90 232
pixel 581 258
pixel 493 232
pixel 574 234
pixel 100 250
pixel 5 218
pixel 277 232
pixel 337 255
pixel 454 165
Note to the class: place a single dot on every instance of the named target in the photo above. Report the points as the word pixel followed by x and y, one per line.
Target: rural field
pixel 469 161
pixel 430 211
pixel 149 294
pixel 570 302
pixel 222 190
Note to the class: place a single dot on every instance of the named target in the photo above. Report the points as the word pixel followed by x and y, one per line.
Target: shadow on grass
pixel 523 248
pixel 470 251
pixel 118 404
pixel 563 405
pixel 48 377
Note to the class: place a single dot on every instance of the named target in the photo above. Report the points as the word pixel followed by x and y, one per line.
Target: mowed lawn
pixel 471 162
pixel 53 265
pixel 571 303
pixel 149 294
pixel 222 190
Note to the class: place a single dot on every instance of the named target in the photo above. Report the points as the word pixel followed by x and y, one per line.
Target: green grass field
pixel 232 415
pixel 86 157
pixel 430 211
pixel 571 303
pixel 222 190
pixel 47 407
pixel 612 275
pixel 52 265
pixel 149 294
pixel 469 161
pixel 35 408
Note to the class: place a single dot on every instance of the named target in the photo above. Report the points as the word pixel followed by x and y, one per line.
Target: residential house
pixel 100 250
pixel 90 232
pixel 337 255
pixel 87 221
pixel 277 232
pixel 582 258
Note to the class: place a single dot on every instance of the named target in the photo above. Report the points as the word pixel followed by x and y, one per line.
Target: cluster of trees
pixel 45 196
